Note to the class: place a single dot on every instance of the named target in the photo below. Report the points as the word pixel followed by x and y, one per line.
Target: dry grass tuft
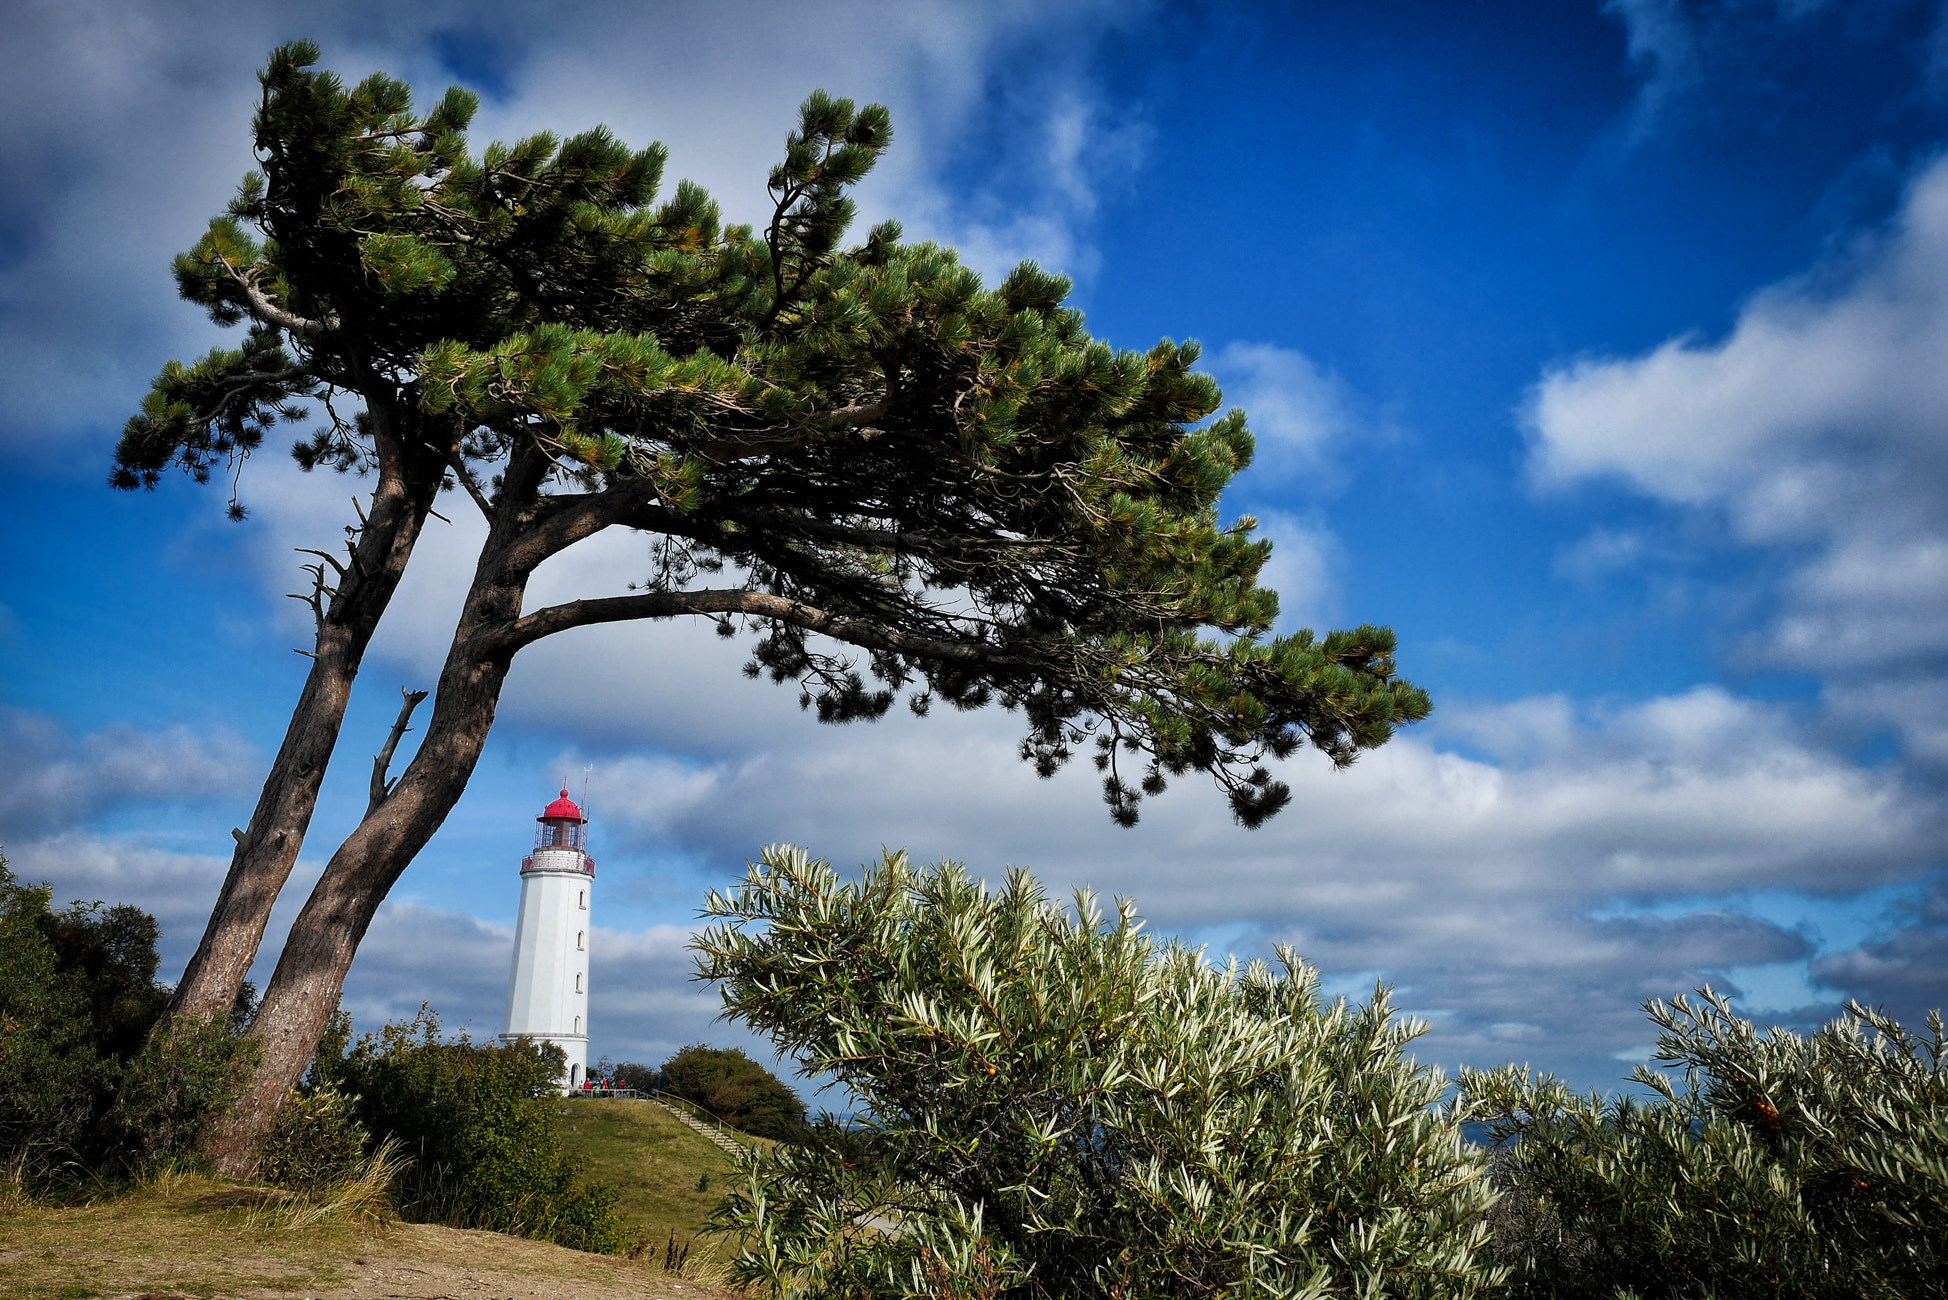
pixel 359 1198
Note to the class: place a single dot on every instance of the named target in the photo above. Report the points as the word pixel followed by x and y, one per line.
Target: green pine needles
pixel 1054 1104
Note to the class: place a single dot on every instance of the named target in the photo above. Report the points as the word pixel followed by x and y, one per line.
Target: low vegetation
pixel 1050 1103
pixel 83 1094
pixel 666 1178
pixel 178 1237
pixel 736 1089
pixel 479 1128
pixel 1053 1104
pixel 1763 1164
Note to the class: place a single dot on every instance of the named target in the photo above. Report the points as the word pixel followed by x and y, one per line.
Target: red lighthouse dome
pixel 562 809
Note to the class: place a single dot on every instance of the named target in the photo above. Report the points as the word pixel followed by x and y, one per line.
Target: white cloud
pixel 1602 550
pixel 1904 969
pixel 1058 165
pixel 1306 556
pixel 1299 413
pixel 1819 426
pixel 1486 886
pixel 51 782
pixel 176 888
pixel 414 954
pixel 1303 419
pixel 1817 393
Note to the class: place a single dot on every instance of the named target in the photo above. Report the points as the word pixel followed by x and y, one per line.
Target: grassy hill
pixel 667 1175
pixel 184 1238
pixel 204 1237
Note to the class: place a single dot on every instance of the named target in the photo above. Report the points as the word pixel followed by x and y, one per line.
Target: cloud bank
pixel 1818 428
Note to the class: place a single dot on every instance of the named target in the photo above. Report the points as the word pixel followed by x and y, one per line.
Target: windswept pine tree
pixel 891 479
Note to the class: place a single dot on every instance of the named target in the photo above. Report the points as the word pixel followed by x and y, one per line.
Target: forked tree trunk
pixel 311 971
pixel 303 991
pixel 268 848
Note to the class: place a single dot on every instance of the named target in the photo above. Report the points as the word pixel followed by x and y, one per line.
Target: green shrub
pixel 78 998
pixel 316 1142
pixel 1052 1105
pixel 736 1089
pixel 643 1078
pixel 170 1092
pixel 1774 1165
pixel 481 1128
pixel 52 1076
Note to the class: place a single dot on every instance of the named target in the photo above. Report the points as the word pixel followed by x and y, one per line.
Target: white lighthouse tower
pixel 547 993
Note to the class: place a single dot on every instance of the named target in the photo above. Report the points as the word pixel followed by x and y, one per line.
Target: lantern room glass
pixel 561 834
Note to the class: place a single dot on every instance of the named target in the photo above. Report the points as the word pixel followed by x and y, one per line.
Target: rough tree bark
pixel 268 847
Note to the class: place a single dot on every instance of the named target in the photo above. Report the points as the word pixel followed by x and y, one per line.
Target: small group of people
pixel 599 1085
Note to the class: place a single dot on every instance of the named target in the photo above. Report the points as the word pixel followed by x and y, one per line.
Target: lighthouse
pixel 547 992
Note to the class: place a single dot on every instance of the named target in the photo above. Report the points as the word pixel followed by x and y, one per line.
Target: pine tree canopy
pixel 895 480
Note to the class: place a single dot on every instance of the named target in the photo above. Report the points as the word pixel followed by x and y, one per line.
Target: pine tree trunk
pixel 304 990
pixel 268 848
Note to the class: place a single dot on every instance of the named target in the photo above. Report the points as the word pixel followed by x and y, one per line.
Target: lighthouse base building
pixel 547 991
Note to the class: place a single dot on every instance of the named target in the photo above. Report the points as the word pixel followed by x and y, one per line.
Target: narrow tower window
pixel 582 900
pixel 578 1024
pixel 578 982
pixel 578 941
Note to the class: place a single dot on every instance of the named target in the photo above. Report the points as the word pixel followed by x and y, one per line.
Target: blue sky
pixel 1600 349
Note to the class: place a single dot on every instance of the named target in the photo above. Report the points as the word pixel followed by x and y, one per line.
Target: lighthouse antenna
pixel 586 769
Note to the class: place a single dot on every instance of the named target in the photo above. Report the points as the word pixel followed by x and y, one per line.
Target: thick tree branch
pixel 858 413
pixel 269 312
pixel 383 759
pixel 565 520
pixel 529 628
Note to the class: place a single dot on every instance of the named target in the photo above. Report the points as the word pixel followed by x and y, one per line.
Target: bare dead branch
pixel 315 598
pixel 380 787
pixel 461 472
pixel 327 558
